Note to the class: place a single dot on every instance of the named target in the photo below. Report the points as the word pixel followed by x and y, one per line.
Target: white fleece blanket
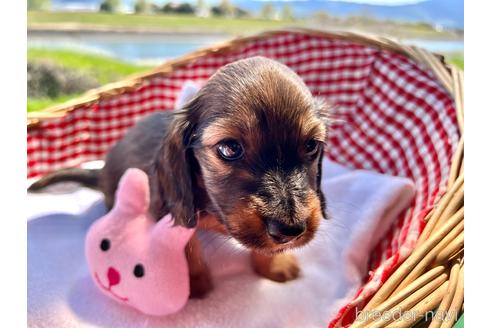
pixel 362 205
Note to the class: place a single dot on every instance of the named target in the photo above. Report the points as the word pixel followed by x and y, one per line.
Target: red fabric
pixel 391 116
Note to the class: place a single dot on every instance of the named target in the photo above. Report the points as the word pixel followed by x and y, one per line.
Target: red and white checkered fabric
pixel 391 117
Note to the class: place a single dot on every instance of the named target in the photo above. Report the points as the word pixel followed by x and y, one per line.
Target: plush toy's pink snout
pixel 135 260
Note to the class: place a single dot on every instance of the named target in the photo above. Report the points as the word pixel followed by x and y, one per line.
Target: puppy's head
pixel 248 149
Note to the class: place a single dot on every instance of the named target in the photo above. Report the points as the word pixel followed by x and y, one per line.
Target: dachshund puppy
pixel 243 157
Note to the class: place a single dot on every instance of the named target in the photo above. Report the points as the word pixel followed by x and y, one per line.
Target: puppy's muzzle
pixel 282 233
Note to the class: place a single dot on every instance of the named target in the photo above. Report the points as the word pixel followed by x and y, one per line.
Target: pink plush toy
pixel 135 260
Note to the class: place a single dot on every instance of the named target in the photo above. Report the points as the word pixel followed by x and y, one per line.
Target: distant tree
pixel 322 17
pixel 178 8
pixel 228 8
pixel 242 13
pixel 267 11
pixel 38 4
pixel 169 8
pixel 185 8
pixel 109 6
pixel 154 8
pixel 142 7
pixel 216 11
pixel 287 13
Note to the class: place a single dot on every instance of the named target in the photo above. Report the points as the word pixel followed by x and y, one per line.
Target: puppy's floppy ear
pixel 319 192
pixel 323 111
pixel 174 173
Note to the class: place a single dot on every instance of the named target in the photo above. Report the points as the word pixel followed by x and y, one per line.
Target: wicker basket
pixel 399 111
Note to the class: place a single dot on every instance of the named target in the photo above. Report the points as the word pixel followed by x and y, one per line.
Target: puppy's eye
pixel 105 245
pixel 312 147
pixel 138 271
pixel 230 150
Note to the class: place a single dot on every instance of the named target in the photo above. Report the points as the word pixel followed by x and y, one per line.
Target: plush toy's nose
pixel 113 277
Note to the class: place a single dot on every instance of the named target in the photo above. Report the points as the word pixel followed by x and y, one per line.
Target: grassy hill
pixel 237 26
pixel 179 23
pixel 103 69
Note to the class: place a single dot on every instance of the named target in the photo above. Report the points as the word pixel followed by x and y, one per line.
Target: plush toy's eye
pixel 105 245
pixel 138 271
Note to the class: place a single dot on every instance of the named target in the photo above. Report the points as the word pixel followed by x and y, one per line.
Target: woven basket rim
pixel 437 63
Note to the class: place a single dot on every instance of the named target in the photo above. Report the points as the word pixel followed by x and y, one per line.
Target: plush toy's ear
pixel 133 194
pixel 175 235
pixel 188 91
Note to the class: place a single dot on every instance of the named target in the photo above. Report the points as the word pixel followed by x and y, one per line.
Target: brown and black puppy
pixel 242 157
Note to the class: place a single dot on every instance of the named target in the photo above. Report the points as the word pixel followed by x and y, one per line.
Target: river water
pixel 153 49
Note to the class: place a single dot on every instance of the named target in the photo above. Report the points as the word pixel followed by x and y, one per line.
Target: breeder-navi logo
pixel 397 314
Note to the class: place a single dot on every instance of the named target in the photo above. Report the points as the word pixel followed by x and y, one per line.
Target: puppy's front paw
pixel 200 284
pixel 281 267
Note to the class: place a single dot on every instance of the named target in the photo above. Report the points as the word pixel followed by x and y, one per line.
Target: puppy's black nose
pixel 282 233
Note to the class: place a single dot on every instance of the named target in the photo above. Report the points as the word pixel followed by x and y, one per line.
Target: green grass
pixel 165 22
pixel 104 69
pixel 457 59
pixel 36 105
